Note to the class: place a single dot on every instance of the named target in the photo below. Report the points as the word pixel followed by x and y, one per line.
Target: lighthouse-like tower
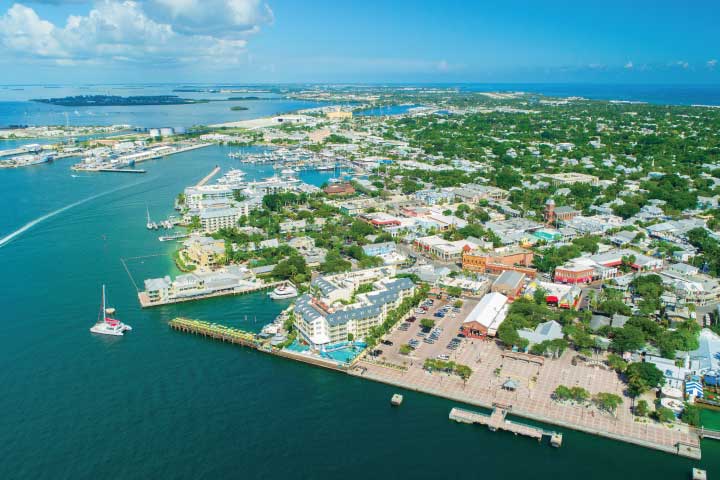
pixel 550 211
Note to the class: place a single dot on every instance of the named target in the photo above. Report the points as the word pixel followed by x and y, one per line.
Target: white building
pixel 323 321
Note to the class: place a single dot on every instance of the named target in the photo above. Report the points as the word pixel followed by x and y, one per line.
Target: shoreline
pixel 683 449
pixel 694 452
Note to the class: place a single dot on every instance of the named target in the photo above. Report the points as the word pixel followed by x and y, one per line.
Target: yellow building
pixel 204 251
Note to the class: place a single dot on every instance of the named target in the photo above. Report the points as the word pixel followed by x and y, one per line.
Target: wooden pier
pixel 497 421
pixel 215 331
pixel 248 339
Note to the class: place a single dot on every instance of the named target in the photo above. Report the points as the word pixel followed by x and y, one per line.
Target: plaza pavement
pixel 536 383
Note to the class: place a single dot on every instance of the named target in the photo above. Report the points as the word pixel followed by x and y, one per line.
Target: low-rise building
pixel 486 317
pixel 691 286
pixel 499 260
pixel 441 249
pixel 570 178
pixel 204 251
pixel 214 219
pixel 377 249
pixel 509 283
pixel 544 332
pixel 338 189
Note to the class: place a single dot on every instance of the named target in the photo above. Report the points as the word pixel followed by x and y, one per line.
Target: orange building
pixel 339 189
pixel 515 259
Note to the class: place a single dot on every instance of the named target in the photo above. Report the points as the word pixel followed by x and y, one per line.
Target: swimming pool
pixel 345 353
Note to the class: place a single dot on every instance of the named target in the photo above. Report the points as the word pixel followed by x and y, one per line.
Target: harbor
pixel 104 160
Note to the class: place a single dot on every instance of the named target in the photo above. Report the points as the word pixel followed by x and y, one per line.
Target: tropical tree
pixel 607 401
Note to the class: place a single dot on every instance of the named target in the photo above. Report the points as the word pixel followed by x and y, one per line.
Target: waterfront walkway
pixel 533 398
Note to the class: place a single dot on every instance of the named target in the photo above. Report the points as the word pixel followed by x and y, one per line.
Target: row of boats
pixel 165 224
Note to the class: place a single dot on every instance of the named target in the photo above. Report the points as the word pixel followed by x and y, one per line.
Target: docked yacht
pixel 106 325
pixel 286 290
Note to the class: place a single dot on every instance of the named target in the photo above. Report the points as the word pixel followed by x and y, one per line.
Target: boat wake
pixel 7 239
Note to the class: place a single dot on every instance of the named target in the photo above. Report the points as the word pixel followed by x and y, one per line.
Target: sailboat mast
pixel 103 303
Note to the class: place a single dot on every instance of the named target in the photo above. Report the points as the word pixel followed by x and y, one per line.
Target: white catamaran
pixel 107 325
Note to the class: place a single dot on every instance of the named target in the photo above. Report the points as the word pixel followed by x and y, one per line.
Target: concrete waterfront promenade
pixel 538 407
pixel 482 390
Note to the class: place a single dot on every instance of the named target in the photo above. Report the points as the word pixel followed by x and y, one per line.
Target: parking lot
pixel 441 341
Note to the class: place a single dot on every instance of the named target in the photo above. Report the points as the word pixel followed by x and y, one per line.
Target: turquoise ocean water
pixel 161 404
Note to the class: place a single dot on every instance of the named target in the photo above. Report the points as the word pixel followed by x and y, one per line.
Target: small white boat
pixel 106 325
pixel 284 291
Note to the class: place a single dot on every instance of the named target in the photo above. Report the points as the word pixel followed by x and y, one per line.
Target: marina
pixel 293 159
pixel 104 160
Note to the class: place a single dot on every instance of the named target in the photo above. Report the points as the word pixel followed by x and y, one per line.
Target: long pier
pixel 497 421
pixel 145 301
pixel 248 339
pixel 215 331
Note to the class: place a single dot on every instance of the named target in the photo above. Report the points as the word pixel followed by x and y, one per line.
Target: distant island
pixel 245 98
pixel 196 90
pixel 238 107
pixel 114 101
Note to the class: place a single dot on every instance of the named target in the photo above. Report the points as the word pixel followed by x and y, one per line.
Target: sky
pixel 347 41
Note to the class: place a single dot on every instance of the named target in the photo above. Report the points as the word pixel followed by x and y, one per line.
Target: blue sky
pixel 631 41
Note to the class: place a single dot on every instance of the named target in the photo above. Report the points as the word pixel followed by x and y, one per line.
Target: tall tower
pixel 550 211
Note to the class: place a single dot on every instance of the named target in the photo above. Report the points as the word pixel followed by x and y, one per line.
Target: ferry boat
pixel 283 291
pixel 107 325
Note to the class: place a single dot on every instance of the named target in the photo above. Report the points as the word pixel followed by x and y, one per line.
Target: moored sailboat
pixel 106 325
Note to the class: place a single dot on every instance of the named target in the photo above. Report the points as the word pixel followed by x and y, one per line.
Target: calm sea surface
pixel 160 404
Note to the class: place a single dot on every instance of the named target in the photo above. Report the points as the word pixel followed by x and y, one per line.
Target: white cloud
pixel 226 18
pixel 711 64
pixel 166 32
pixel 682 64
pixel 629 65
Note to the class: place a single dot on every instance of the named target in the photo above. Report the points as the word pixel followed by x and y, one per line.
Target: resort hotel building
pixel 335 310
